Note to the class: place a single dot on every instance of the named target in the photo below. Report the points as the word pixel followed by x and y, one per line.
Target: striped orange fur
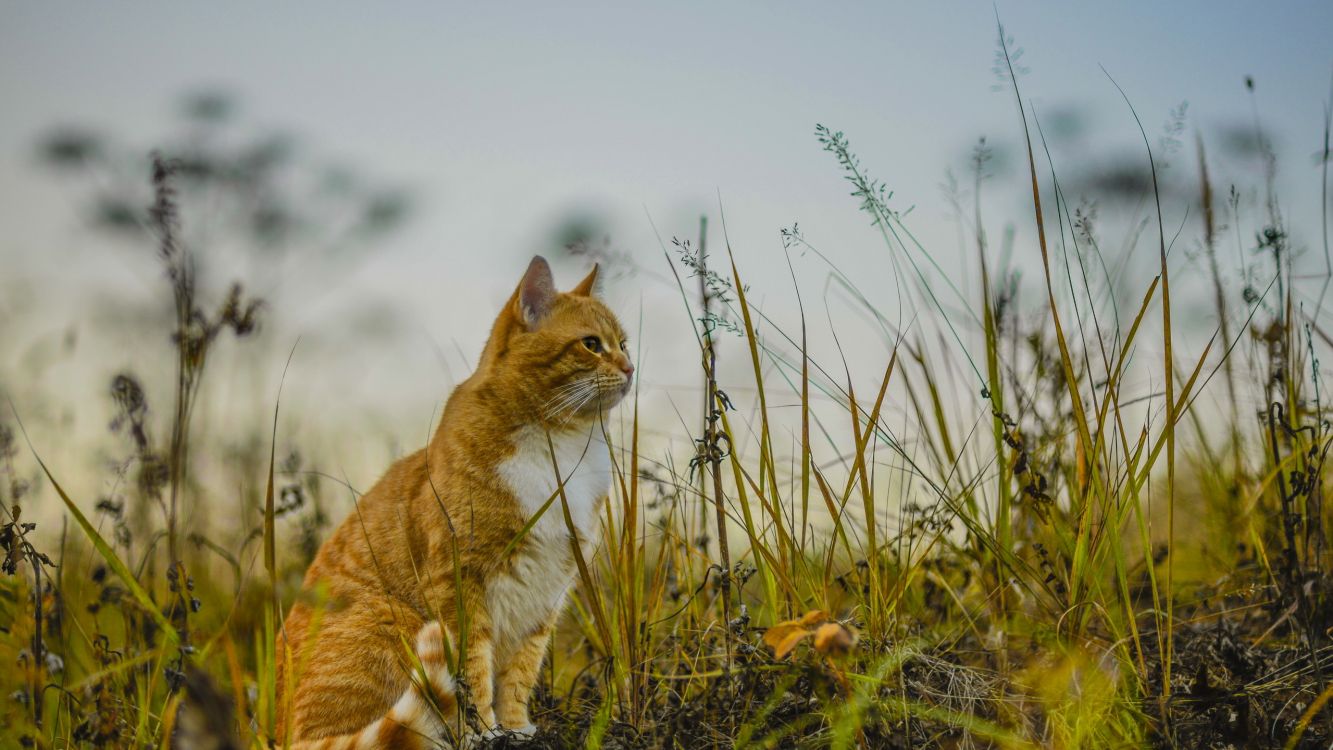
pixel 420 719
pixel 432 545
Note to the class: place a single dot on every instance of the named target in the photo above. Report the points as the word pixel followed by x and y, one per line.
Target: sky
pixel 503 119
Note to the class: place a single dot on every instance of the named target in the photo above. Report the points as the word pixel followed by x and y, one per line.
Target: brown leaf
pixel 787 643
pixel 784 636
pixel 778 635
pixel 834 639
pixel 813 618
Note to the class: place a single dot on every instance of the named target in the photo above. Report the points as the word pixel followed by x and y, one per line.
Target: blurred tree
pixel 234 211
pixel 250 197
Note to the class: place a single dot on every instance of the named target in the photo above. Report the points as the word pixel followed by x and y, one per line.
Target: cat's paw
pixel 476 741
pixel 525 732
pixel 498 736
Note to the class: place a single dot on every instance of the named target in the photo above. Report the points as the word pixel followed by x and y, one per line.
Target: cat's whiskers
pixel 596 386
pixel 579 383
pixel 568 399
pixel 568 389
pixel 566 404
pixel 576 392
pixel 591 393
pixel 602 384
pixel 568 394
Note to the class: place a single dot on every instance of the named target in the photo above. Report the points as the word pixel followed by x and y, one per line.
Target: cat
pixel 438 532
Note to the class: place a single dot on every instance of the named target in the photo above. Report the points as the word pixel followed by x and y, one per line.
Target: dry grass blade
pixel 104 550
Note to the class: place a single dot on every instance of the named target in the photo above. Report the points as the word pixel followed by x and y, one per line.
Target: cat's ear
pixel 536 292
pixel 588 287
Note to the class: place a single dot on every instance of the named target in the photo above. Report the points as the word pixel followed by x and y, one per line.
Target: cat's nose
pixel 628 369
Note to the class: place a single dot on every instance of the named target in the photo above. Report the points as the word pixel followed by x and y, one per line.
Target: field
pixel 1121 543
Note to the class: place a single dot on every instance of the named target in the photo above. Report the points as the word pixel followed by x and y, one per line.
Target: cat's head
pixel 562 355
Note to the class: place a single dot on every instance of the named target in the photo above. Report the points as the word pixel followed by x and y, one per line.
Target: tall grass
pixel 1032 548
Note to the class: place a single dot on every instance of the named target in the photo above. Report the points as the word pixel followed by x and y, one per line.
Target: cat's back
pixel 377 530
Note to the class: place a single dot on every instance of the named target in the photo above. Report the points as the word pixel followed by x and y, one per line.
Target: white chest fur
pixel 522 600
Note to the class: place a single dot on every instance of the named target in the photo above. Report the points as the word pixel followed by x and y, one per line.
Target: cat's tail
pixel 414 722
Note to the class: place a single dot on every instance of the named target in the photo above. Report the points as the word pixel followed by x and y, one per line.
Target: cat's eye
pixel 594 344
pixel 624 346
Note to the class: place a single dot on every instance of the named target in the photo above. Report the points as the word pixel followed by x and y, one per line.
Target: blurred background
pixel 379 180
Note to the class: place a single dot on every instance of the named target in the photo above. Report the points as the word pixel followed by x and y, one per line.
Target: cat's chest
pixel 532 587
pixel 584 465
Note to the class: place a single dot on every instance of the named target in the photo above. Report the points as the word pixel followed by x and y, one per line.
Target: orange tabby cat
pixel 554 364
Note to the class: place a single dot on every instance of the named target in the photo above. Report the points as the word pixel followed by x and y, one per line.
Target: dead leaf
pixel 813 618
pixel 789 642
pixel 784 636
pixel 834 639
pixel 777 635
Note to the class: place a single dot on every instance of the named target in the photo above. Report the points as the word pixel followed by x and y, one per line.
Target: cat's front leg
pixel 479 667
pixel 516 680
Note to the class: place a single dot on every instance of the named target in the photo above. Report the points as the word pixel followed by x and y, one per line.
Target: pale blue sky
pixel 503 114
pixel 504 117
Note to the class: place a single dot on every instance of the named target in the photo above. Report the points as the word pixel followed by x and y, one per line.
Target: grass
pixel 1069 560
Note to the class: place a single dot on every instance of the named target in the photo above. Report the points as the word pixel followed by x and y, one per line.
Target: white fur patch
pixel 543 568
pixel 407 706
pixel 413 712
pixel 369 737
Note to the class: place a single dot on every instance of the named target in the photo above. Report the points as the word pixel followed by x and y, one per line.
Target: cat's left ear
pixel 536 292
pixel 588 287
